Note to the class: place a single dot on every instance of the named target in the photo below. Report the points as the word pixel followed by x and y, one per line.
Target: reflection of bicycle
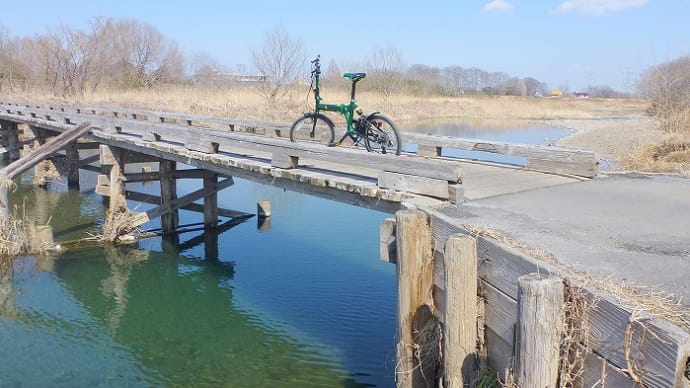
pixel 376 131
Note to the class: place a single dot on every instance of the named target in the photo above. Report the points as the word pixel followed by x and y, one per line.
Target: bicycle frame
pixel 347 110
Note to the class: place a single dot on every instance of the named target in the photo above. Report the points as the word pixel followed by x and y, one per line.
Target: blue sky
pixel 562 42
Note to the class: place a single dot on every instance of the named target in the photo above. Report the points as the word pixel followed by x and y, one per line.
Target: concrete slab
pixel 632 227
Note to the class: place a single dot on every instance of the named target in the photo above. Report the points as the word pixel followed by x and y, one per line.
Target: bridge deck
pixel 341 173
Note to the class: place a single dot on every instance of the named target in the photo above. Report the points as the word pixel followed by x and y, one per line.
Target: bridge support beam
pixel 72 163
pixel 169 220
pixel 211 201
pixel 10 140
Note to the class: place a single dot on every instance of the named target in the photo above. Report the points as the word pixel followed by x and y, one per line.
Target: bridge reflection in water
pixel 240 308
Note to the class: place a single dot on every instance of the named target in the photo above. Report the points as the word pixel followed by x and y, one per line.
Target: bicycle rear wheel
pixel 382 136
pixel 312 128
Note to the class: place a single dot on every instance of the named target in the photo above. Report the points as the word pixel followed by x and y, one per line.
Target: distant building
pixel 556 93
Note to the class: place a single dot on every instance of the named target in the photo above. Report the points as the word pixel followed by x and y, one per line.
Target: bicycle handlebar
pixel 316 65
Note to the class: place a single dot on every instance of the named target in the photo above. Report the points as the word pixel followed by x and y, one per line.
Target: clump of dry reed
pixel 117 224
pixel 670 153
pixel 17 230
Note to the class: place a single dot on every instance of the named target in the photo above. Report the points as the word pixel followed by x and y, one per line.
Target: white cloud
pixel 498 6
pixel 597 7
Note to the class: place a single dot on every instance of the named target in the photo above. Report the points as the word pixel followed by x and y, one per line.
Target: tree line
pixel 110 53
pixel 113 53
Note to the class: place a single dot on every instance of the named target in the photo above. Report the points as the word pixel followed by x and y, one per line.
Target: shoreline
pixel 611 139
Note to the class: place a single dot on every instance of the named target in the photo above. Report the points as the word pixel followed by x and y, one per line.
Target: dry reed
pixel 247 103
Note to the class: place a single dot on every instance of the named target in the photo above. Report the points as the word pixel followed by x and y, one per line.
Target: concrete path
pixel 632 227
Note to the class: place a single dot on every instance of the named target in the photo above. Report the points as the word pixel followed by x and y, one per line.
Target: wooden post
pixel 539 330
pixel 13 141
pixel 118 200
pixel 415 286
pixel 263 208
pixel 460 362
pixel 72 153
pixel 170 220
pixel 5 183
pixel 211 201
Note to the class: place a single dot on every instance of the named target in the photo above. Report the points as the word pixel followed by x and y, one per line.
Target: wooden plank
pixel 449 171
pixel 656 349
pixel 414 184
pixel 282 159
pixel 156 200
pixel 500 353
pixel 548 158
pixel 45 150
pixel 166 208
pixel 500 312
pixel 354 190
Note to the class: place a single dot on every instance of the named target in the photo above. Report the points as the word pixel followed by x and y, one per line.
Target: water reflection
pixel 174 311
pixel 6 287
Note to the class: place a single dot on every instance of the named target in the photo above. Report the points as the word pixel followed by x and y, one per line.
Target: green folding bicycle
pixel 375 131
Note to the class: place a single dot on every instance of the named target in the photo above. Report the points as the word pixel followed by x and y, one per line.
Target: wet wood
pixel 170 219
pixel 211 201
pixel 169 206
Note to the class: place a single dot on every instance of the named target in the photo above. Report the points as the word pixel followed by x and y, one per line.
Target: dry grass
pixel 643 302
pixel 246 103
pixel 670 153
pixel 18 230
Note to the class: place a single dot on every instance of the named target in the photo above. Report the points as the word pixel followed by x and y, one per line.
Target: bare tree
pixel 386 68
pixel 279 61
pixel 668 86
pixel 143 55
pixel 11 70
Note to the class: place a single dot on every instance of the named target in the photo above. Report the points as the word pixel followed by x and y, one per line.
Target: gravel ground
pixel 611 139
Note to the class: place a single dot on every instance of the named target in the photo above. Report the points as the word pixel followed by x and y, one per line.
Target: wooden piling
pixel 460 362
pixel 5 183
pixel 211 201
pixel 72 162
pixel 415 286
pixel 263 208
pixel 118 201
pixel 169 220
pixel 13 142
pixel 539 330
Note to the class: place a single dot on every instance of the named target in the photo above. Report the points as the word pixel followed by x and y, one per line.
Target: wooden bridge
pixel 489 321
pixel 259 151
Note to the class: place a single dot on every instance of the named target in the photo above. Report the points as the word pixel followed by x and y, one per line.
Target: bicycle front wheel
pixel 312 128
pixel 382 136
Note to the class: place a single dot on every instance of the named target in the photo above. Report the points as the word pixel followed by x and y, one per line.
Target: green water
pixel 305 303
